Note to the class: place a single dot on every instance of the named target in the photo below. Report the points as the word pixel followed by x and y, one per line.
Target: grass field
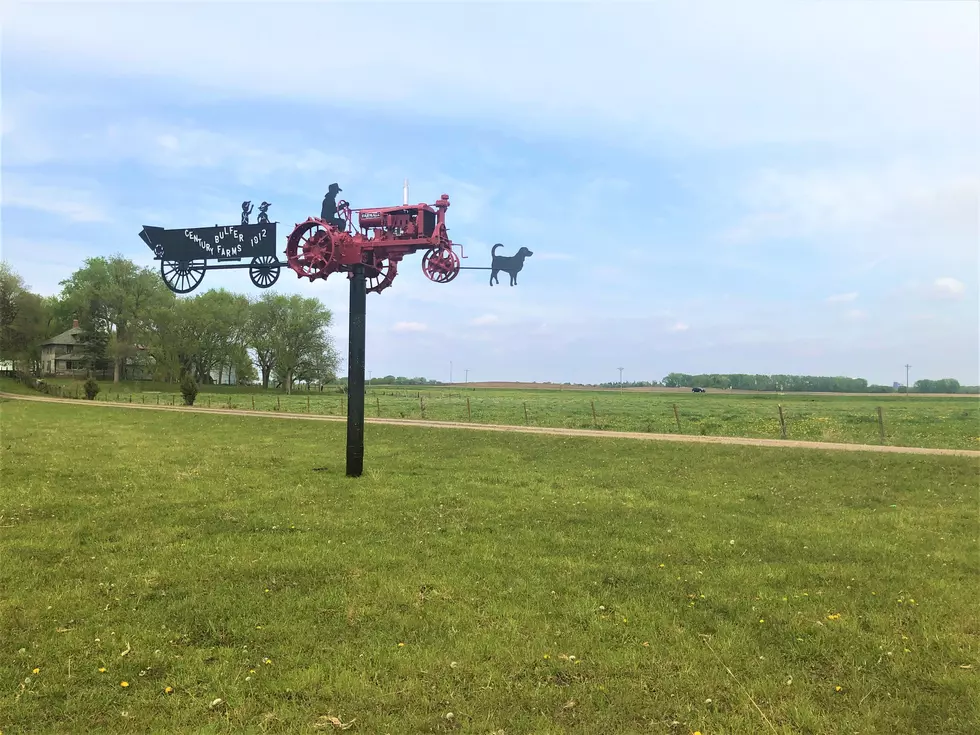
pixel 952 423
pixel 474 583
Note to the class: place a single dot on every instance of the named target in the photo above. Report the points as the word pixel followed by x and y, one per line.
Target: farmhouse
pixel 62 355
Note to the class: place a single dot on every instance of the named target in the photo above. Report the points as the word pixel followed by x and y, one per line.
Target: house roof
pixel 65 338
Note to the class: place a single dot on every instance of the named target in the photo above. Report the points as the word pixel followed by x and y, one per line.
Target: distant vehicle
pixel 698 390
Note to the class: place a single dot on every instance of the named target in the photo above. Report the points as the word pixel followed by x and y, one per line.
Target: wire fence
pixel 953 423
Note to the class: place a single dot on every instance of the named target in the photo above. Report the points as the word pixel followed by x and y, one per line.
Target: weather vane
pixel 317 248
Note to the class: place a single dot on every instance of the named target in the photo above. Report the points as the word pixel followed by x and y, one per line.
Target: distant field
pixel 925 421
pixel 474 583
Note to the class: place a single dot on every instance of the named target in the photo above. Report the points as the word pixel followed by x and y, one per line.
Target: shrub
pixel 91 389
pixel 189 389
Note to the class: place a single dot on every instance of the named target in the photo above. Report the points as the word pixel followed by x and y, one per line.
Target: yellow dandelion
pixel 662 566
pixel 251 671
pixel 762 620
pixel 834 616
pixel 547 656
pixel 168 690
pixel 36 671
pixel 124 684
pixel 267 661
pixel 838 689
pixel 401 645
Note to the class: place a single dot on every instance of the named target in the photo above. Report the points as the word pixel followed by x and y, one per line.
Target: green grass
pixel 952 423
pixel 207 549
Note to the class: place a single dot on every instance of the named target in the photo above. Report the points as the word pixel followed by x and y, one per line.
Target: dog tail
pixel 493 250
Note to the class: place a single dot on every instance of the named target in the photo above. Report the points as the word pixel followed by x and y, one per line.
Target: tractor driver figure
pixel 328 212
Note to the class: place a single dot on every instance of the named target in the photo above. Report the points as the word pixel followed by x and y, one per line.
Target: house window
pixel 70 348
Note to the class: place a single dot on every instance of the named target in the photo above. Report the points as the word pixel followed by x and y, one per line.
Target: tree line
pixel 808 383
pixel 134 326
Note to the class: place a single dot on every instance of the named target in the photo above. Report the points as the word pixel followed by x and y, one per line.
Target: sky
pixel 750 187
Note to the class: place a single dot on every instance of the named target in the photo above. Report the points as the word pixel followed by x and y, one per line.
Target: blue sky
pixel 707 187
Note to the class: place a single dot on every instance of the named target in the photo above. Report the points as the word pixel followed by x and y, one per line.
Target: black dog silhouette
pixel 510 264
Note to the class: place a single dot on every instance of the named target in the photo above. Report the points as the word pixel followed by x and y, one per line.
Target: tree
pixel 289 336
pixel 23 319
pixel 119 297
pixel 265 317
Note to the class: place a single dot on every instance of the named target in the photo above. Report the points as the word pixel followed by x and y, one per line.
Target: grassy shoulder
pixel 521 583
pixel 952 423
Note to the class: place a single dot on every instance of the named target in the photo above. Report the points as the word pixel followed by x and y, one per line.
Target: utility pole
pixel 620 380
pixel 466 375
pixel 907 366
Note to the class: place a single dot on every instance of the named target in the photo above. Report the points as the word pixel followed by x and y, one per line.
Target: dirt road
pixel 692 439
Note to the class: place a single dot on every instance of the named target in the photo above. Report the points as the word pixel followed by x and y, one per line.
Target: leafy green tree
pixel 289 335
pixel 23 320
pixel 119 297
pixel 265 317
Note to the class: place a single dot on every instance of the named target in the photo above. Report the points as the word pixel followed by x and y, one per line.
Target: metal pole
pixel 355 374
pixel 907 379
pixel 620 380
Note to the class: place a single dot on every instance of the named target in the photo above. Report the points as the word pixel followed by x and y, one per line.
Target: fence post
pixel 782 422
pixel 677 418
pixel 377 400
pixel 595 421
pixel 253 403
pixel 278 405
pixel 525 414
pixel 307 399
pixel 158 399
pixel 229 402
pixel 469 415
pixel 881 425
pixel 209 401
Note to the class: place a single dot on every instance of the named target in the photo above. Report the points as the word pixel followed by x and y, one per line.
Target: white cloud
pixel 409 327
pixel 74 203
pixel 38 134
pixel 949 287
pixel 894 210
pixel 715 74
pixel 678 327
pixel 842 297
pixel 485 320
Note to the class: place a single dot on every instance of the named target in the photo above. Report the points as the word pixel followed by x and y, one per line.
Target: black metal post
pixel 355 374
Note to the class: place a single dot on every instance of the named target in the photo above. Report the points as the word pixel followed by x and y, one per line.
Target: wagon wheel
pixel 182 276
pixel 310 250
pixel 264 270
pixel 440 264
pixel 379 274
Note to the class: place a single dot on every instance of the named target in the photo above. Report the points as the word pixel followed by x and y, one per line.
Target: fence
pixel 846 420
